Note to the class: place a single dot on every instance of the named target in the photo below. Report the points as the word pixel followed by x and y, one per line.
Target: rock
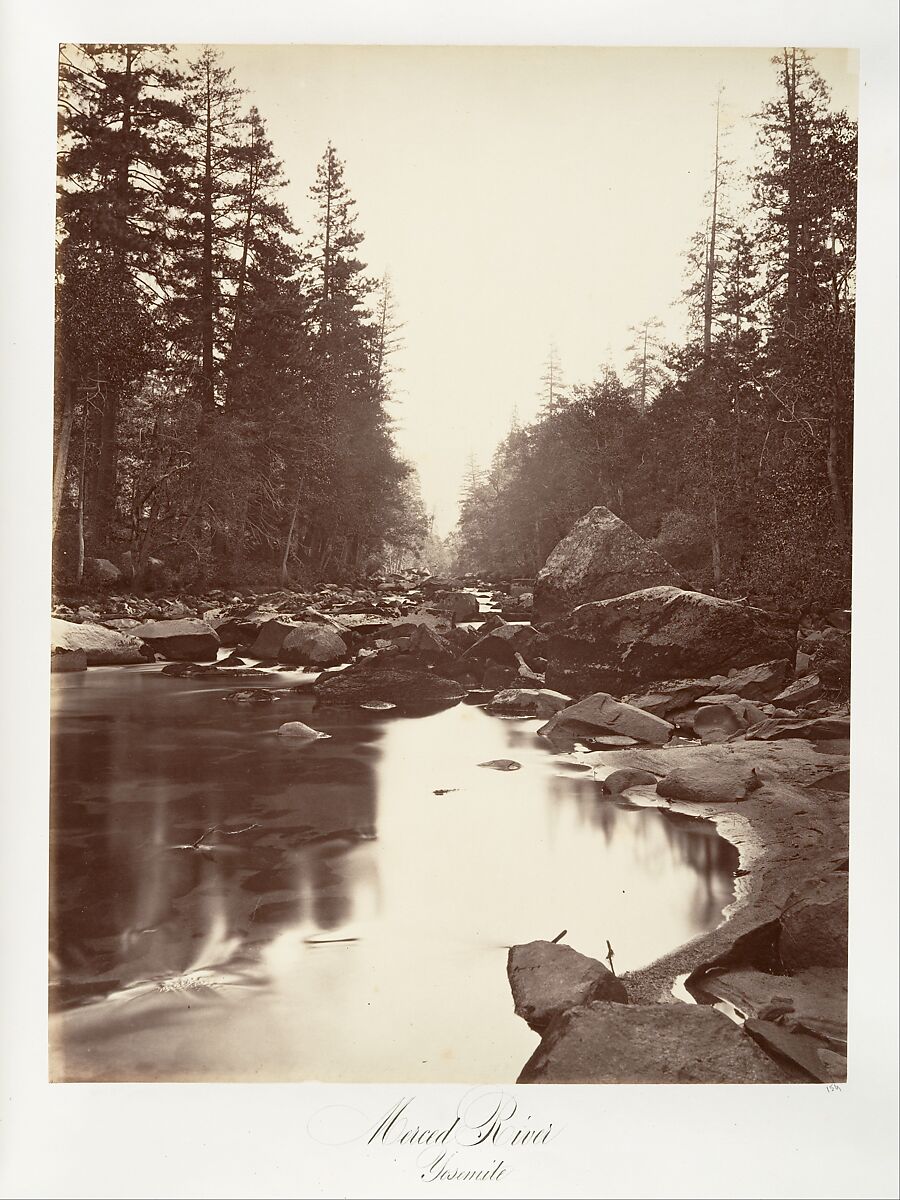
pixel 601 711
pixel 547 978
pixel 759 682
pixel 649 1043
pixel 101 571
pixel 660 633
pixel 378 706
pixel 120 624
pixel 710 783
pixel 600 557
pixel 462 606
pixel 180 640
pixel 800 692
pixel 100 646
pixel 252 696
pixel 312 645
pixel 619 781
pixel 800 1050
pixel 296 729
pixel 717 722
pixel 67 660
pixel 814 729
pixel 671 697
pixel 270 639
pixel 528 702
pixel 502 764
pixel 495 676
pixel 606 741
pixel 814 927
pixel 813 1001
pixel 834 781
pixel 408 688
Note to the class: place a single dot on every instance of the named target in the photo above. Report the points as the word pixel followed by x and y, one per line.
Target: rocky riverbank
pixel 754 738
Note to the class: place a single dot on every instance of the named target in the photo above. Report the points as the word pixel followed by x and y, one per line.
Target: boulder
pixel 100 646
pixel 101 571
pixel 659 633
pixel 710 783
pixel 67 660
pixel 269 639
pixel 670 697
pixel 718 721
pixel 601 711
pixel 408 688
pixel 619 781
pixel 600 557
pixel 800 692
pixel 180 640
pixel 814 927
pixel 601 1042
pixel 813 1001
pixel 760 682
pixel 804 1053
pixel 547 978
pixel 312 645
pixel 462 606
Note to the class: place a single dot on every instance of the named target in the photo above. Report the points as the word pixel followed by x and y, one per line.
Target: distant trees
pixel 733 450
pixel 222 382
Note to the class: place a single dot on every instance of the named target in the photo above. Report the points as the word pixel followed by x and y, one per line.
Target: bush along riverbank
pixel 707 707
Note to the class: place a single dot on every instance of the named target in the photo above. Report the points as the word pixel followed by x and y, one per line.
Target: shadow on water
pixel 227 904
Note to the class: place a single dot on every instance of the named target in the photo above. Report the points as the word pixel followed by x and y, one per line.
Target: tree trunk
pixel 207 364
pixel 289 540
pixel 711 260
pixel 835 480
pixel 62 451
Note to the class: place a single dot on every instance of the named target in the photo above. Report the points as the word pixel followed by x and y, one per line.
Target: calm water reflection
pixel 229 905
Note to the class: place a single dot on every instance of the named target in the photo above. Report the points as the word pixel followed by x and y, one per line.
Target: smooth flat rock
pixel 100 646
pixel 758 682
pixel 601 556
pixel 813 1001
pixel 800 692
pixel 814 729
pixel 546 978
pixel 532 702
pixel 601 1042
pixel 601 711
pixel 296 729
pixel 801 1050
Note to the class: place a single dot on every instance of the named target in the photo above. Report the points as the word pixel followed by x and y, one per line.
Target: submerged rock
pixel 530 702
pixel 600 557
pixel 183 639
pixel 410 689
pixel 601 1042
pixel 502 764
pixel 660 633
pixel 296 729
pixel 619 781
pixel 546 978
pixel 99 645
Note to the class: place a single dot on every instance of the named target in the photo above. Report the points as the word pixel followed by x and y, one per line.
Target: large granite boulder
pixel 814 927
pixel 598 558
pixel 601 711
pixel 314 645
pixel 710 782
pixel 648 1043
pixel 409 689
pixel 184 640
pixel 656 634
pixel 546 978
pixel 99 645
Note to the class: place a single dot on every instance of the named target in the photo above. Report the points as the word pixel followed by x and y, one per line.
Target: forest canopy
pixel 733 449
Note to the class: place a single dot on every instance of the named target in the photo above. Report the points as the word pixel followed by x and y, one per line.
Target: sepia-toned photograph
pixel 451 617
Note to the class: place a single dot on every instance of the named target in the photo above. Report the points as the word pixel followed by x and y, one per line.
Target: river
pixel 229 905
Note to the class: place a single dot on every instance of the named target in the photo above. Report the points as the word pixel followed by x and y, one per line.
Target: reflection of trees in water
pixel 159 864
pixel 687 840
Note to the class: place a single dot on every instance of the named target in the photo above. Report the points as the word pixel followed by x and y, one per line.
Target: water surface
pixel 229 905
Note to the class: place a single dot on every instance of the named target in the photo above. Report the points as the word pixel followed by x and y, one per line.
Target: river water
pixel 229 905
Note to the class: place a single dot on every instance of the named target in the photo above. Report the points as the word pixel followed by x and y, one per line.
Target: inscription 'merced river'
pixel 229 905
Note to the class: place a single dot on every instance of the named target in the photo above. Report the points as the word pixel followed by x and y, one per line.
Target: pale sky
pixel 518 197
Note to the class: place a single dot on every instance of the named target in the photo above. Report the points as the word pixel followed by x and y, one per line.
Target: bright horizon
pixel 518 198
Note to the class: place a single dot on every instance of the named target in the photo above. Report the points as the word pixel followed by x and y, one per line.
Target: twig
pixel 609 956
pixel 560 935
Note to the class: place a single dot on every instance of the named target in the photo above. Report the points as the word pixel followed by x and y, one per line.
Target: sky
pixel 518 197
